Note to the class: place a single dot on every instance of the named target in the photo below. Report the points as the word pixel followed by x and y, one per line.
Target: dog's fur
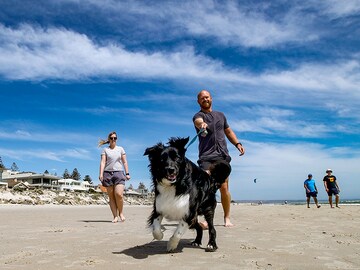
pixel 183 191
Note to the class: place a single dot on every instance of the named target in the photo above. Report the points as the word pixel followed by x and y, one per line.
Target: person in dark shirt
pixel 331 187
pixel 212 145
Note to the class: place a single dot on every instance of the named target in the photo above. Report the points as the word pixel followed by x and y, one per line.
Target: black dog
pixel 183 191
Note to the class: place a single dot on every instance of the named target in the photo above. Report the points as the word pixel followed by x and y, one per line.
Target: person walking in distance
pixel 331 187
pixel 114 171
pixel 212 145
pixel 311 191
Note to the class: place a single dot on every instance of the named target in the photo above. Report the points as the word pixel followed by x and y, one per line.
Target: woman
pixel 113 173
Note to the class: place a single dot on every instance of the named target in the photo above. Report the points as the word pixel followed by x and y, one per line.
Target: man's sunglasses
pixel 113 138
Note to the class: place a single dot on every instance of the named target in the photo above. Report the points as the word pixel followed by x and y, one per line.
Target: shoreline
pixel 51 197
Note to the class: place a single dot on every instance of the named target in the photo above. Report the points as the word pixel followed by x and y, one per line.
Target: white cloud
pixel 338 9
pixel 77 153
pixel 341 75
pixel 237 25
pixel 42 136
pixel 227 22
pixel 33 53
pixel 282 128
pixel 31 154
pixel 47 154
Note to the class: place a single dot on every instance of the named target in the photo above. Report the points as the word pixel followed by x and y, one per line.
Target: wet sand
pixel 264 237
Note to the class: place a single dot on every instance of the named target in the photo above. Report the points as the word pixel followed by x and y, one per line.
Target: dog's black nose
pixel 170 170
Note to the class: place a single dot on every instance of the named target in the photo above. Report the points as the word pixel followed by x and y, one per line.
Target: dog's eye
pixel 164 156
pixel 173 155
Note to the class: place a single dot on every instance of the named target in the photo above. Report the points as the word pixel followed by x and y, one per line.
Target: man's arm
pixel 337 186
pixel 234 140
pixel 325 185
pixel 199 123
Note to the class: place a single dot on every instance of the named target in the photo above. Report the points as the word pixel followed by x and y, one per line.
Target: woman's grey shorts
pixel 113 178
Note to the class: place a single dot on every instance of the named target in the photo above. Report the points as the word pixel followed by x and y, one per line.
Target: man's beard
pixel 206 105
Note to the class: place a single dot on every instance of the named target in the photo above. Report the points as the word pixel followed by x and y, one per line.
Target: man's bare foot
pixel 204 225
pixel 115 220
pixel 227 222
pixel 122 218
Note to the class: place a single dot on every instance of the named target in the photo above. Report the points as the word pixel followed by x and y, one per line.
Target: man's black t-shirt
pixel 330 181
pixel 213 146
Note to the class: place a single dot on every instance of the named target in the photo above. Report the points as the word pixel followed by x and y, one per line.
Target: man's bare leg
pixel 330 202
pixel 226 202
pixel 337 198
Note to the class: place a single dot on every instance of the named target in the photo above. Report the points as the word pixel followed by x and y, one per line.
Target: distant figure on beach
pixel 311 191
pixel 114 171
pixel 212 145
pixel 332 188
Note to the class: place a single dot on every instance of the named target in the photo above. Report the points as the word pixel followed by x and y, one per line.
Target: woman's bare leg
pixel 119 197
pixel 112 202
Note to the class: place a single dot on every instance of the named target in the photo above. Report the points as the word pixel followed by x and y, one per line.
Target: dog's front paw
pixel 158 235
pixel 195 243
pixel 211 248
pixel 172 244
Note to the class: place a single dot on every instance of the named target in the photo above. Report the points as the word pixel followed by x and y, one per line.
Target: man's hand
pixel 199 123
pixel 241 149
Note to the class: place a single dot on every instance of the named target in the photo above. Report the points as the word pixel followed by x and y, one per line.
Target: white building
pixel 74 185
pixel 34 179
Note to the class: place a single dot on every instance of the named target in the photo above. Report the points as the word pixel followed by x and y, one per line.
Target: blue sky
pixel 285 73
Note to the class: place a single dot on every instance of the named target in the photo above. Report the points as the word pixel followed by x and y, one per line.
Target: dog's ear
pixel 154 151
pixel 178 143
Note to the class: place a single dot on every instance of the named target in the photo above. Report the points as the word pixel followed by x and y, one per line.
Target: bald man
pixel 213 146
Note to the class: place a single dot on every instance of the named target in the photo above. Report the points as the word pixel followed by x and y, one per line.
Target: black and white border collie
pixel 182 192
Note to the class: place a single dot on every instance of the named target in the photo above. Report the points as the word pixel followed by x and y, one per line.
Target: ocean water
pixel 296 202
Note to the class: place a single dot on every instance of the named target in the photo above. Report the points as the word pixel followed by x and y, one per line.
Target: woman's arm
pixel 126 167
pixel 102 167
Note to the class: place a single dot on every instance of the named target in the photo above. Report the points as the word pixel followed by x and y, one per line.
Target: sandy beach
pixel 265 237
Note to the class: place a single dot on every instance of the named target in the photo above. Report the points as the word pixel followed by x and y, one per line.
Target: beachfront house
pixel 35 180
pixel 142 191
pixel 43 180
pixel 74 185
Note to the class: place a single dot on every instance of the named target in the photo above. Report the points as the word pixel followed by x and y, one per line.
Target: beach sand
pixel 264 237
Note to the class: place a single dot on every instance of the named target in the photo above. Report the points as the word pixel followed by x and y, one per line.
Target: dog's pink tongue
pixel 171 177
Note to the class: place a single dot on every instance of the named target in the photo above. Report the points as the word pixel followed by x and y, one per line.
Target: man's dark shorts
pixel 311 194
pixel 113 178
pixel 333 191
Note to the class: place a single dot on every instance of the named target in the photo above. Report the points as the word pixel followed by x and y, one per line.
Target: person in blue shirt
pixel 311 191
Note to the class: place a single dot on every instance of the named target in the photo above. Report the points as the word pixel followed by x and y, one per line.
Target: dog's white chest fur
pixel 170 206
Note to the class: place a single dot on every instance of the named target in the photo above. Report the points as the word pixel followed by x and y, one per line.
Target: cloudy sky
pixel 285 73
